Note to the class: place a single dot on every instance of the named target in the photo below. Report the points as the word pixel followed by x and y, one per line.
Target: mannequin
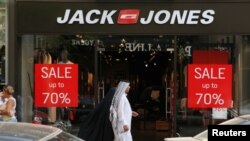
pixel 63 112
pixel 51 110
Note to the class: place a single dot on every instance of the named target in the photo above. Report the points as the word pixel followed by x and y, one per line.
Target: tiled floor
pixel 154 135
pixel 142 135
pixel 150 134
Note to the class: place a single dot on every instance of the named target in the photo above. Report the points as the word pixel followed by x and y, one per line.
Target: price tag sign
pixel 219 113
pixel 209 86
pixel 56 85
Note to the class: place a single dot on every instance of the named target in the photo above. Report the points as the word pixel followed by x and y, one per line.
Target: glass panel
pixel 146 61
pixel 3 45
pixel 244 75
pixel 35 47
pixel 190 48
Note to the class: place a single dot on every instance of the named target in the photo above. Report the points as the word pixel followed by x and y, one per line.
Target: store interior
pixel 150 65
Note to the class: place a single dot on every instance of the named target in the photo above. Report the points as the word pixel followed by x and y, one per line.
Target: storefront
pixel 150 44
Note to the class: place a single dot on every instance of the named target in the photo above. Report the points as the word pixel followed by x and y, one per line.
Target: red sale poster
pixel 56 85
pixel 209 86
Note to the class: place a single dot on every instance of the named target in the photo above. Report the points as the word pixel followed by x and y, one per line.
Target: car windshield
pixel 243 120
pixel 33 132
pixel 25 131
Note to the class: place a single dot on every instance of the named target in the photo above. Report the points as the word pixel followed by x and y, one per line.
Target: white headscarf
pixel 120 90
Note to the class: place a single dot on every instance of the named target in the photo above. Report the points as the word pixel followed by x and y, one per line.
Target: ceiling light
pixel 121 45
pixel 82 41
pixel 123 40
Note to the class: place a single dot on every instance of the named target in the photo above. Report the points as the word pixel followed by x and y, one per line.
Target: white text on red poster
pixel 56 85
pixel 209 86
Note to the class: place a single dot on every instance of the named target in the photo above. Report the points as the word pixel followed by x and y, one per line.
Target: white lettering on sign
pixel 96 16
pixel 207 17
pixel 187 17
pixel 188 50
pixel 82 42
pixel 134 47
pixel 78 17
pixel 56 72
pixel 209 73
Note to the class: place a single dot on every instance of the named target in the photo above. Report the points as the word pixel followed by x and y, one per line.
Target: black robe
pixel 97 126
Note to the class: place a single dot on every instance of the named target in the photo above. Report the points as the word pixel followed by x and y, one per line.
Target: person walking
pixel 2 104
pixel 8 113
pixel 96 126
pixel 121 113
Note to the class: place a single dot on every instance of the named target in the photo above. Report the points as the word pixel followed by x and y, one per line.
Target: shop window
pixel 3 43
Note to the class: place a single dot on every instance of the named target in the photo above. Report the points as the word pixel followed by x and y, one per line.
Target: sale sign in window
pixel 209 86
pixel 56 85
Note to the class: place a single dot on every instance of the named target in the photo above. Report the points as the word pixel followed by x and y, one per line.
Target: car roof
pixel 22 130
pixel 202 136
pixel 240 120
pixel 180 139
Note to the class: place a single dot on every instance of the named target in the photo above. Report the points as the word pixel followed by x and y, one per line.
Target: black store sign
pixel 132 18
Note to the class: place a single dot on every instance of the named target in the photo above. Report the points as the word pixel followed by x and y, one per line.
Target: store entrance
pixel 147 63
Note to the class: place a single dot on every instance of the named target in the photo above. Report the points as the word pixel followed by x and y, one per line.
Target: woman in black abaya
pixel 97 126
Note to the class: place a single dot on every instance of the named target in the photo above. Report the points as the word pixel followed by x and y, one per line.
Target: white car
pixel 203 136
pixel 21 131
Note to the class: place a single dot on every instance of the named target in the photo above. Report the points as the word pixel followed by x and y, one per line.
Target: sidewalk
pixel 152 134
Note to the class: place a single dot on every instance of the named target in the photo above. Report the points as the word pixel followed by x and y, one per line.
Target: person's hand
pixel 125 128
pixel 134 114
